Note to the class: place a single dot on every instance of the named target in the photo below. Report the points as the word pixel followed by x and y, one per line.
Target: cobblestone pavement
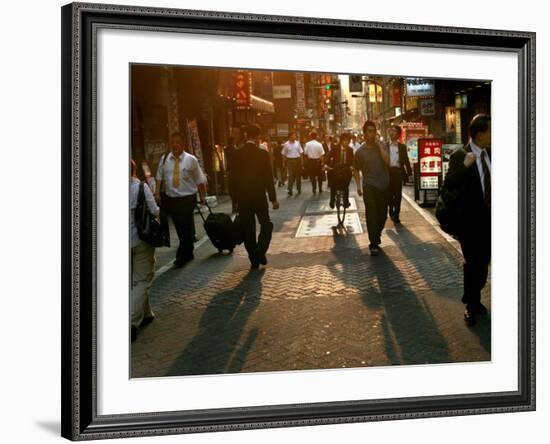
pixel 322 302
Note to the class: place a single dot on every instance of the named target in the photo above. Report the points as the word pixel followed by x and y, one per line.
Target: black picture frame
pixel 80 420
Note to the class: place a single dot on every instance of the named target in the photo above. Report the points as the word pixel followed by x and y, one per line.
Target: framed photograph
pixel 275 221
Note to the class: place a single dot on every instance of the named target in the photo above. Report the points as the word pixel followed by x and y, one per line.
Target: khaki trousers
pixel 143 270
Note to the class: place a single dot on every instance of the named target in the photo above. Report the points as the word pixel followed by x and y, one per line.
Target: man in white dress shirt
pixel 180 177
pixel 400 169
pixel 292 156
pixel 315 156
pixel 354 143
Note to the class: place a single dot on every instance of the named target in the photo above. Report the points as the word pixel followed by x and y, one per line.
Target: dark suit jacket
pixel 467 182
pixel 252 177
pixel 406 169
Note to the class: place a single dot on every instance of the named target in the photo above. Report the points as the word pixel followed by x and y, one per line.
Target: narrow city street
pixel 321 302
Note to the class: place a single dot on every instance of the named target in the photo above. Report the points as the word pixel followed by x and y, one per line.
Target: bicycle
pixel 340 207
pixel 338 200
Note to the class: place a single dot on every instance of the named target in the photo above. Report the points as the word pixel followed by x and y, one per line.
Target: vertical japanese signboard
pixel 195 141
pixel 243 87
pixel 300 94
pixel 430 158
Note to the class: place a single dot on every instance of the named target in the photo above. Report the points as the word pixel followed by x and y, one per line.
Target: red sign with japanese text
pixel 243 85
pixel 430 158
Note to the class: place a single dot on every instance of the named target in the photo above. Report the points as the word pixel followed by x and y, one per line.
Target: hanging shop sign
pixel 372 93
pixel 243 89
pixel 420 87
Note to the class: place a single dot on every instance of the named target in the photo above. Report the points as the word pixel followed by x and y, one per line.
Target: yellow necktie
pixel 176 174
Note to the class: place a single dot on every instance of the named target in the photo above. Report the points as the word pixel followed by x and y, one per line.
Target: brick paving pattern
pixel 322 302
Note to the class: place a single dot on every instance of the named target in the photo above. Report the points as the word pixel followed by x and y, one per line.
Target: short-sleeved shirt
pixel 191 175
pixel 314 150
pixel 368 160
pixel 292 150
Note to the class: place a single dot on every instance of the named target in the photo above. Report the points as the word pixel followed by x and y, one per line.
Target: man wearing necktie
pixel 179 179
pixel 470 175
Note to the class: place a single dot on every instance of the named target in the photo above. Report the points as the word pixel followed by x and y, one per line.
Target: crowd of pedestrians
pixel 256 166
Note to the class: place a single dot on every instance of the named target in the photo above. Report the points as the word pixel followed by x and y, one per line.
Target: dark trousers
pixel 280 172
pixel 315 174
pixel 345 195
pixel 396 187
pixel 476 249
pixel 256 249
pixel 376 208
pixel 294 173
pixel 339 180
pixel 180 209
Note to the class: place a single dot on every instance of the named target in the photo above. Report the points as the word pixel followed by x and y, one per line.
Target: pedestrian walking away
pixel 400 169
pixel 292 156
pixel 339 170
pixel 143 257
pixel 278 163
pixel 469 176
pixel 253 178
pixel 372 161
pixel 229 151
pixel 179 179
pixel 314 153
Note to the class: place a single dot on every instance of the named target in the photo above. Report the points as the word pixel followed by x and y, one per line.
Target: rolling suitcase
pixel 220 230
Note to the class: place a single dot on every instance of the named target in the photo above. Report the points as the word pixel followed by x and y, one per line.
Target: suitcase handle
pixel 200 212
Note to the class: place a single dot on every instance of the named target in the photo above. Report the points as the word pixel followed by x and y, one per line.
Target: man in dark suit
pixel 400 169
pixel 229 152
pixel 252 178
pixel 469 176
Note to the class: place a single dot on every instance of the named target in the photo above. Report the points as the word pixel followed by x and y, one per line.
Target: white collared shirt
pixel 314 150
pixel 394 155
pixel 191 175
pixel 292 150
pixel 477 151
pixel 354 146
pixel 149 200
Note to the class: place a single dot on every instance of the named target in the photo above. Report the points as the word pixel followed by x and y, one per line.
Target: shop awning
pixel 259 104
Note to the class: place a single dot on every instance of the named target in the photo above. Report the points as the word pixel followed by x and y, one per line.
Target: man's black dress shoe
pixel 470 316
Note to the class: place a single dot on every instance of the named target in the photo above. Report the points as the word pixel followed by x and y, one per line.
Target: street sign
pixel 427 107
pixel 356 83
pixel 282 92
pixel 282 129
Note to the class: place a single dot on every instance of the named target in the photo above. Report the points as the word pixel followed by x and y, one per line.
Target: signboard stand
pixel 428 171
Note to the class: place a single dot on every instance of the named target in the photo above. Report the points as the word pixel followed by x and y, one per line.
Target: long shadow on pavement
pixel 411 335
pixel 438 281
pixel 215 348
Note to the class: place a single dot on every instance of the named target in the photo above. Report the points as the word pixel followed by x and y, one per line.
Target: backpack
pixel 447 210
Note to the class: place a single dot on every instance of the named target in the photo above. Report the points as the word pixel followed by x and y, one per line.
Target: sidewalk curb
pixel 433 222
